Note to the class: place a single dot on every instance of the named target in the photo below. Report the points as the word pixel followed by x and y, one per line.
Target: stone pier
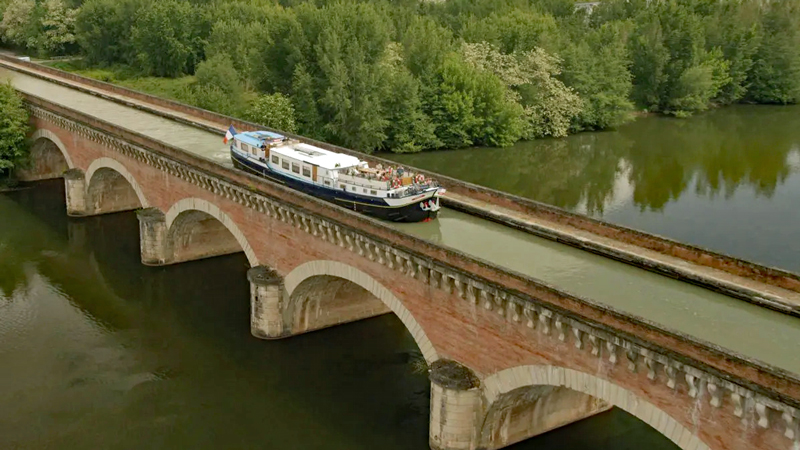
pixel 456 407
pixel 75 187
pixel 266 303
pixel 152 236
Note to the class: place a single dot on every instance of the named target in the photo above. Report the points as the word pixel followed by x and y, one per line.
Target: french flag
pixel 229 134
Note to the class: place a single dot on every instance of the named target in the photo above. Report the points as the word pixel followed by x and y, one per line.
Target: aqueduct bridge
pixel 510 355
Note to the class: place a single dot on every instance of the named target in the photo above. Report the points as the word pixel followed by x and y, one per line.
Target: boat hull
pixel 411 212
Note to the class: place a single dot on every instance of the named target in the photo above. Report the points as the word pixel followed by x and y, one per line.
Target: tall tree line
pixel 408 75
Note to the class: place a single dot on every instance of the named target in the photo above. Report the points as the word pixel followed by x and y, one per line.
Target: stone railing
pixel 603 332
pixel 694 254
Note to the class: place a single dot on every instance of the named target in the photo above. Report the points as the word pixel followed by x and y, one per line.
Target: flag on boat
pixel 229 134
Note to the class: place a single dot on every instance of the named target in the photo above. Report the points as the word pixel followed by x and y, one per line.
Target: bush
pixel 13 129
pixel 273 111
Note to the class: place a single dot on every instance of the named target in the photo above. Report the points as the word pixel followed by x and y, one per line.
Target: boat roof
pixel 317 156
pixel 256 138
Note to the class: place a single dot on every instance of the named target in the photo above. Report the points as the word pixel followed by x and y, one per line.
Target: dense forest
pixel 407 75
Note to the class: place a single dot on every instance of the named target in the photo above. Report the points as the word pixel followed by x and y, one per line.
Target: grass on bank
pixel 185 89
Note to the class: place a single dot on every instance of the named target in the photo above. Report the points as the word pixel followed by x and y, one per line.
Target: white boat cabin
pixel 329 169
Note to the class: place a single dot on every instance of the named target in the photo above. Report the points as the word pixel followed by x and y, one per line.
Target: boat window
pixel 354 188
pixel 306 172
pixel 295 168
pixel 373 192
pixel 327 183
pixel 343 186
pixel 285 164
pixel 275 159
pixel 243 146
pixel 365 191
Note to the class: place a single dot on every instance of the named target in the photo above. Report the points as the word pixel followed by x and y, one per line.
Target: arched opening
pixel 198 229
pixel 527 401
pixel 323 301
pixel 196 234
pixel 532 410
pixel 331 292
pixel 48 158
pixel 111 188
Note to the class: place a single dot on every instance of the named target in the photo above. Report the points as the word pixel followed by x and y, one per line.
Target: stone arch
pixel 330 271
pixel 193 219
pixel 110 187
pixel 49 157
pixel 518 381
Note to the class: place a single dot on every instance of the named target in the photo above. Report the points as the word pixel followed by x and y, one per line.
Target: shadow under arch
pixel 110 187
pixel 48 157
pixel 509 386
pixel 323 274
pixel 198 229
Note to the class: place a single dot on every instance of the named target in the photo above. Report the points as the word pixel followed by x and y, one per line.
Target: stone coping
pixel 449 269
pixel 693 254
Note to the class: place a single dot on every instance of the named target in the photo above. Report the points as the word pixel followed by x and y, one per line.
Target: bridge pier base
pixel 456 407
pixel 266 303
pixel 75 188
pixel 152 236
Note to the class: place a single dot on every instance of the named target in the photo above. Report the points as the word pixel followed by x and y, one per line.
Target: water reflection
pixel 734 164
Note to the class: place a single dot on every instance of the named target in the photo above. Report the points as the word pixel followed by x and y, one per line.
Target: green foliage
pixel 274 111
pixel 13 129
pixel 596 67
pixel 167 37
pixel 775 76
pixel 474 108
pixel 103 30
pixel 21 23
pixel 58 28
pixel 407 76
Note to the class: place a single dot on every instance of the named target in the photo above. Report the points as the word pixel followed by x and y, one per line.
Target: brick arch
pixel 196 205
pixel 508 380
pixel 49 157
pixel 42 133
pixel 326 268
pixel 105 163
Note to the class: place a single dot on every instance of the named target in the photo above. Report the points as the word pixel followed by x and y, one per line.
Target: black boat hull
pixel 412 212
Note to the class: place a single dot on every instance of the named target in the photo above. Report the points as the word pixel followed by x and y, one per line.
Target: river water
pixel 728 180
pixel 98 351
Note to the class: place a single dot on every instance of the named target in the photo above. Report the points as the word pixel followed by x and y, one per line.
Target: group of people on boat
pixel 397 177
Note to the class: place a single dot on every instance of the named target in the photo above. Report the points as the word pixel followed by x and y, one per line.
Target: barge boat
pixel 388 193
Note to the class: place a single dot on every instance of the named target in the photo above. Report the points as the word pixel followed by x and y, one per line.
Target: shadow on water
pixel 163 357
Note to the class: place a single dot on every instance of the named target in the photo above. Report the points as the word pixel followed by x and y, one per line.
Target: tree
pixel 775 75
pixel 474 106
pixel 103 30
pixel 409 128
pixel 530 79
pixel 58 28
pixel 21 22
pixel 596 67
pixel 165 37
pixel 308 116
pixel 218 86
pixel 13 129
pixel 274 111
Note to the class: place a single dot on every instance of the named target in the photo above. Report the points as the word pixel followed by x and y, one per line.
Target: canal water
pixel 728 180
pixel 98 351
